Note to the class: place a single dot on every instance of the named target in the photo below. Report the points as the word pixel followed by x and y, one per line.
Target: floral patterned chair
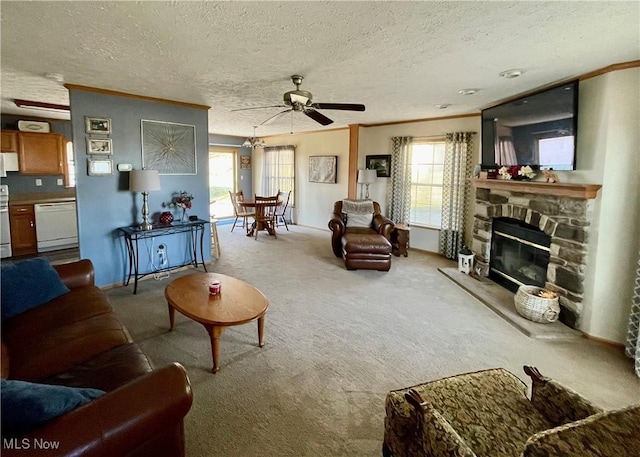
pixel 487 413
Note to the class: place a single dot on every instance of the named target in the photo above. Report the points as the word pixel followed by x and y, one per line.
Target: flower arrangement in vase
pixel 517 172
pixel 181 200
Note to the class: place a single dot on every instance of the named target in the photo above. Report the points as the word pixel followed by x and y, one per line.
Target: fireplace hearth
pixel 555 221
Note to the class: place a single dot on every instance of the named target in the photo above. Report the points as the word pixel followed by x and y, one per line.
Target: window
pixel 427 169
pixel 222 180
pixel 69 166
pixel 278 172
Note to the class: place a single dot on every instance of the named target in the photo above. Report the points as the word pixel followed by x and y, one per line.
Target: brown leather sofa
pixel 362 247
pixel 76 340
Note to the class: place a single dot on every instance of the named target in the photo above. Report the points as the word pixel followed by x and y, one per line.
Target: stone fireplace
pixel 560 212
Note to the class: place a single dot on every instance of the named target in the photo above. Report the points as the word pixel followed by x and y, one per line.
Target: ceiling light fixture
pixel 30 104
pixel 467 91
pixel 254 142
pixel 511 73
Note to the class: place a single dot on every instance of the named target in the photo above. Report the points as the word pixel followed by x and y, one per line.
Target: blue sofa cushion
pixel 27 405
pixel 28 284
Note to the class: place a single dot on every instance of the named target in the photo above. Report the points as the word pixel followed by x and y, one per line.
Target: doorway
pixel 222 180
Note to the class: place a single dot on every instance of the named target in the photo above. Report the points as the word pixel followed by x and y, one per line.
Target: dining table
pixel 259 208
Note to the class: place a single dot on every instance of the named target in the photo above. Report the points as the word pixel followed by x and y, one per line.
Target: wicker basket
pixel 534 308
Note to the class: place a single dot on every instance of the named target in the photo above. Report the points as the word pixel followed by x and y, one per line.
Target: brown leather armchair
pixel 362 247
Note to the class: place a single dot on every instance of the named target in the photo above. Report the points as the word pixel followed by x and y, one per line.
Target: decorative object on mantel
pixel 537 304
pixel 465 260
pixel 550 175
pixel 181 200
pixel 517 172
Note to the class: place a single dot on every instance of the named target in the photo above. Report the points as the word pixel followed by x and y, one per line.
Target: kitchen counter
pixel 48 197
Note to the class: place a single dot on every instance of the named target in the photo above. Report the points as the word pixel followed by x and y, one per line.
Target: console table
pixel 132 236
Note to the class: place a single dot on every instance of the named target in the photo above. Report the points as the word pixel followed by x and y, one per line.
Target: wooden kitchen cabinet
pixel 40 153
pixel 9 141
pixel 22 219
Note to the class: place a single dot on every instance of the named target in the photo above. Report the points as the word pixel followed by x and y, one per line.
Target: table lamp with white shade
pixel 367 177
pixel 144 181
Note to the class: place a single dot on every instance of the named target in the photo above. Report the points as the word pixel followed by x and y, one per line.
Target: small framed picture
pixel 99 167
pixel 97 125
pixel 245 162
pixel 380 163
pixel 99 146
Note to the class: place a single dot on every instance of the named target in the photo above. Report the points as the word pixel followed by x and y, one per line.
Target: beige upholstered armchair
pixel 487 413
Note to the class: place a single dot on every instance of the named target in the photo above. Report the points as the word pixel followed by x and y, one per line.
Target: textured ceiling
pixel 397 58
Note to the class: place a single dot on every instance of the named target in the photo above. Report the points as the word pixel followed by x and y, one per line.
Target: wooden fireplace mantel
pixel 572 190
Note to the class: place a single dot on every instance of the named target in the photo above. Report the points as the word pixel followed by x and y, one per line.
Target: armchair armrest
pixel 76 274
pixel 435 435
pixel 121 421
pixel 611 433
pixel 337 230
pixel 383 226
pixel 558 403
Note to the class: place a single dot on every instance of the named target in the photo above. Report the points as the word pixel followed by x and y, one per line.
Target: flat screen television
pixel 538 129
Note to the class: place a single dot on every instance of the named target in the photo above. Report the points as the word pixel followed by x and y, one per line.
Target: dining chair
pixel 265 215
pixel 281 209
pixel 238 210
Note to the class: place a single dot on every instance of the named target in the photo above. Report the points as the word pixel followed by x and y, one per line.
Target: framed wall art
pixel 97 125
pixel 245 162
pixel 99 146
pixel 323 169
pixel 380 163
pixel 99 167
pixel 169 147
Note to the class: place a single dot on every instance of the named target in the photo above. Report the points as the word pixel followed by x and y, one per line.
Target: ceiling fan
pixel 301 100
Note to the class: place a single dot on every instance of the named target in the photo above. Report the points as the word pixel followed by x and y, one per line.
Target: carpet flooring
pixel 336 342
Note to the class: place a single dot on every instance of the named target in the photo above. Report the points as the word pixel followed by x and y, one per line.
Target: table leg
pixel 172 316
pixel 260 331
pixel 214 334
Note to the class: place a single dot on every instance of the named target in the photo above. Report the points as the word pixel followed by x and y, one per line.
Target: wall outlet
pixel 59 182
pixel 38 182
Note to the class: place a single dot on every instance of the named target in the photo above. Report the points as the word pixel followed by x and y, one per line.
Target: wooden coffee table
pixel 238 303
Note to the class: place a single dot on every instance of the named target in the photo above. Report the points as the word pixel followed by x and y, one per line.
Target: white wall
pixel 314 201
pixel 608 153
pixel 377 140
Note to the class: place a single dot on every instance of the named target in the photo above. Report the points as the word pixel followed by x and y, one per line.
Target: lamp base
pixel 145 226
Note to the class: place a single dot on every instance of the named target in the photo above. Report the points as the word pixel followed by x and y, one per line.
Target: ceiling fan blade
pixel 341 106
pixel 318 117
pixel 273 118
pixel 260 107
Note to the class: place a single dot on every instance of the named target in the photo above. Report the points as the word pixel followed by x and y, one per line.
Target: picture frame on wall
pixel 168 147
pixel 101 125
pixel 99 146
pixel 99 167
pixel 245 162
pixel 381 163
pixel 323 169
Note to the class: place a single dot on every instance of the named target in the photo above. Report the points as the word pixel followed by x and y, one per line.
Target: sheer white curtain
pixel 506 152
pixel 633 335
pixel 456 191
pixel 278 171
pixel 400 195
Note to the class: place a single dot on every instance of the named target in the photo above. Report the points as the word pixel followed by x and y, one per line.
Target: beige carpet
pixel 335 342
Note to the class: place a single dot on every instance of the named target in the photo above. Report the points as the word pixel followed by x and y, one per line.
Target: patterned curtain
pixel 400 195
pixel 633 335
pixel 456 191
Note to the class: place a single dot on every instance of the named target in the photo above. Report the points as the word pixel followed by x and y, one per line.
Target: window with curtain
pixel 278 172
pixel 427 169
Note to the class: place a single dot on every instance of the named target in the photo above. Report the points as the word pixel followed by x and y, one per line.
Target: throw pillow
pixel 27 405
pixel 359 220
pixel 28 284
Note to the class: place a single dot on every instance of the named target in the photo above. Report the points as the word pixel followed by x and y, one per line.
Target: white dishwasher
pixel 56 225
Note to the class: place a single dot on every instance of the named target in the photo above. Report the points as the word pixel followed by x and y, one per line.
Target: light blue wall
pixel 105 203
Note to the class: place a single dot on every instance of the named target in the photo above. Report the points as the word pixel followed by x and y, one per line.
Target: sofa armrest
pixel 383 226
pixel 558 403
pixel 614 433
pixel 121 421
pixel 76 274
